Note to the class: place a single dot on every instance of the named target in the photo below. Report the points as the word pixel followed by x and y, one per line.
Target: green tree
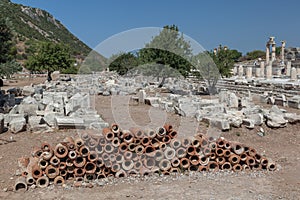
pixel 225 59
pixel 169 48
pixel 9 68
pixel 123 62
pixel 255 55
pixel 6 42
pixel 49 58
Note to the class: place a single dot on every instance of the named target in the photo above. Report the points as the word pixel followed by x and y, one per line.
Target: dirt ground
pixel 281 145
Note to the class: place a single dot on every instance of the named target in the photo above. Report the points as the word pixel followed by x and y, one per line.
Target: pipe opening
pixel 30 180
pixel 193 168
pixel 89 177
pixel 124 147
pixel 212 165
pixel 204 142
pixel 43 163
pixel 110 136
pixel 173 134
pixel 226 166
pixel 220 151
pixel 51 171
pixel 89 166
pixel 37 172
pixel 145 140
pixel 161 131
pixel 63 172
pixel 42 182
pixel 137 165
pixel 84 151
pixel 20 186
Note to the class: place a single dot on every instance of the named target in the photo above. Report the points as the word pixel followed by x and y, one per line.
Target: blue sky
pixel 244 25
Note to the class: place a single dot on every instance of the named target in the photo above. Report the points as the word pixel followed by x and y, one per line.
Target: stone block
pixel 28 91
pixel 17 125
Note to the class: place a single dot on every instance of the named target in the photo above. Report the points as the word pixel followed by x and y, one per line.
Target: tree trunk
pixel 49 76
pixel 162 82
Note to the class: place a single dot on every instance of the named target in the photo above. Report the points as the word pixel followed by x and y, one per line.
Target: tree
pixel 169 48
pixel 123 62
pixel 50 57
pixel 6 42
pixel 255 55
pixel 9 68
pixel 224 59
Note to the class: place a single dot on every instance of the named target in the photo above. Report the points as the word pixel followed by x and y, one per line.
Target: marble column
pixel 269 71
pixel 273 53
pixel 249 72
pixel 267 53
pixel 294 74
pixel 282 50
pixel 235 70
pixel 257 72
pixel 262 69
pixel 241 71
pixel 288 68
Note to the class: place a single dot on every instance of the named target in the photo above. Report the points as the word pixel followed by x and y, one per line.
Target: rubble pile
pixel 121 153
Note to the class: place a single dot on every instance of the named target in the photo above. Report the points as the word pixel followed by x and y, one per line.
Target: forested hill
pixel 33 24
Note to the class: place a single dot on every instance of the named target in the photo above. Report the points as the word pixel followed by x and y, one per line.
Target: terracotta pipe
pixel 78 142
pixel 70 170
pixel 169 153
pixel 258 158
pixel 150 133
pixel 220 142
pixel 36 171
pixel 30 180
pixel 145 171
pixel 115 128
pixel 135 156
pixel 127 165
pixel 234 159
pixel 264 161
pixel 185 142
pixel 42 182
pixel 138 133
pixel 271 165
pixel 164 165
pixel 85 137
pixel 90 168
pixel 136 141
pixel 159 155
pixel 202 168
pixel 181 152
pixel 174 170
pixel 115 167
pixel 123 147
pixel 47 155
pixel 191 150
pixel 52 171
pixel 193 168
pixel 212 146
pixel 149 151
pixel 146 141
pixel 213 156
pixel 121 174
pixel 173 134
pixel 101 176
pixel 196 142
pixel 93 156
pixel 105 156
pixel 99 162
pixel 226 166
pixel 128 137
pixel 166 139
pixel 36 152
pixel 250 161
pixel 69 162
pixel 138 165
pixel 108 134
pixel 108 163
pixel 162 146
pixel 243 156
pixel 60 151
pixel 79 161
pixel 89 177
pixel 219 152
pixel 175 143
pixel 84 151
pixel 68 139
pixel 99 149
pixel 227 145
pixel 257 166
pixel 175 162
pixel 204 160
pixel 108 148
pixel 115 142
pixel 72 155
pixel 161 131
pixel 42 163
pixel 128 155
pixel 168 127
pixel 54 161
pixel 46 147
pixel 139 149
pixel 246 167
pixel 106 171
pixel 62 165
pixel 102 141
pixel 194 159
pixel 131 147
pixel 206 151
pixel 92 143
pixel 20 184
pixel 184 163
pixel 237 168
pixel 251 152
pixel 238 149
pixel 155 170
pixel 227 153
pixel 220 160
pixel 204 142
pixel 155 143
pixel 119 158
pixel 59 181
pixel 211 139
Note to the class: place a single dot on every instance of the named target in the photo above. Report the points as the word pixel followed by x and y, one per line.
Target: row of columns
pixel 266 71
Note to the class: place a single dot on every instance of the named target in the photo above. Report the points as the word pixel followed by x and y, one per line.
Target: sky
pixel 244 25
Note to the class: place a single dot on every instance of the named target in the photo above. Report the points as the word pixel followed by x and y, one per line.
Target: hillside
pixel 33 24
